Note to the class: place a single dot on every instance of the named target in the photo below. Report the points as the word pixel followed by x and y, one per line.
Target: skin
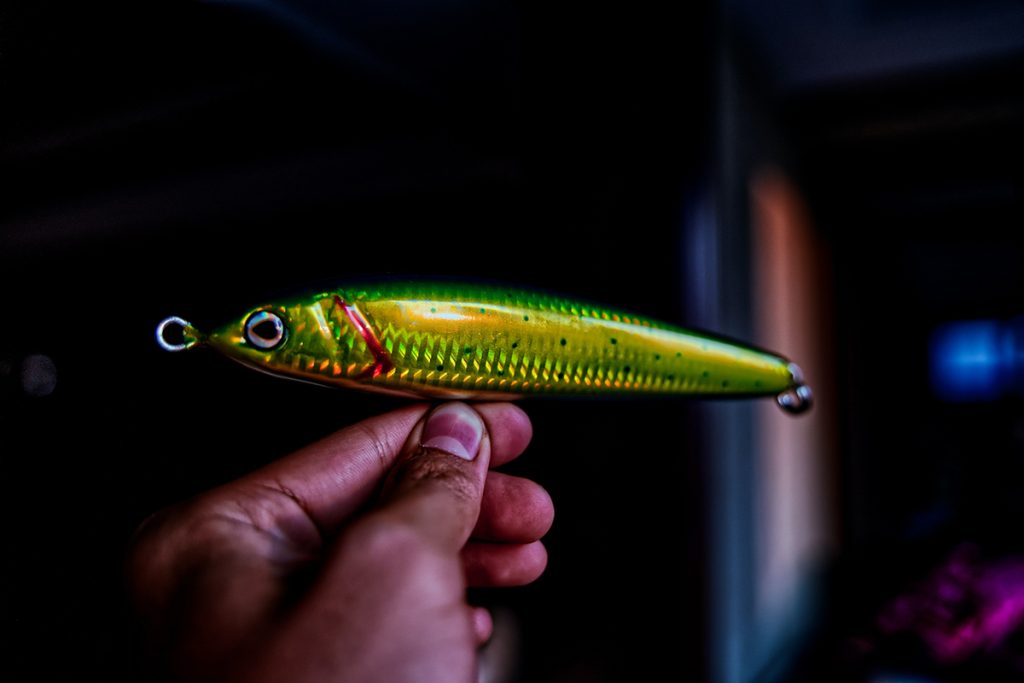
pixel 347 560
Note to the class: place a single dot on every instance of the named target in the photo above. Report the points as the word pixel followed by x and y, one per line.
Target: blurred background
pixel 838 181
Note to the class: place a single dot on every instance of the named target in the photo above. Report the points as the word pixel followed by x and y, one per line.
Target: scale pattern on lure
pixel 459 341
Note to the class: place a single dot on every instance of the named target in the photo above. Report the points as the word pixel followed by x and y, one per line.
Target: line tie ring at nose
pixel 175 327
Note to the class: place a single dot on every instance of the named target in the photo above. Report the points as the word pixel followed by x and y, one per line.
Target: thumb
pixel 437 484
pixel 389 604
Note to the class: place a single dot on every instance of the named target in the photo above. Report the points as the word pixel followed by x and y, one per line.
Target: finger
pixel 332 478
pixel 329 480
pixel 398 567
pixel 436 487
pixel 497 565
pixel 509 428
pixel 483 624
pixel 513 510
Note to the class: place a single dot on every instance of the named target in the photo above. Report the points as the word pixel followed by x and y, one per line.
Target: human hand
pixel 349 559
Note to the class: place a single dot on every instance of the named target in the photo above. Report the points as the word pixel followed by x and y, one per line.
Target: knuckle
pixel 280 512
pixel 427 467
pixel 154 553
pixel 376 443
pixel 179 536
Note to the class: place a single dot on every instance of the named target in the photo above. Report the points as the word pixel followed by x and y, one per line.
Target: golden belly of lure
pixel 475 342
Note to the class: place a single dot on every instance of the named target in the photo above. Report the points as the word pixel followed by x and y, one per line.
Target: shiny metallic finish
pixel 796 373
pixel 436 340
pixel 796 400
pixel 163 328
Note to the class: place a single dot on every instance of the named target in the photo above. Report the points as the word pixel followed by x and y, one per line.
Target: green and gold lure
pixel 474 342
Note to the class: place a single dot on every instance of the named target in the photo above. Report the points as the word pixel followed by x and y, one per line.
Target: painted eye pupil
pixel 264 330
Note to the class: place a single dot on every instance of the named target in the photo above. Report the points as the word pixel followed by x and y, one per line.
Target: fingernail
pixel 454 428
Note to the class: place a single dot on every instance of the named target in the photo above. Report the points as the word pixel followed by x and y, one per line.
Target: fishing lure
pixel 474 342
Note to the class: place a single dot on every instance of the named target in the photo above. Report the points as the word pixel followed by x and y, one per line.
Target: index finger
pixel 335 476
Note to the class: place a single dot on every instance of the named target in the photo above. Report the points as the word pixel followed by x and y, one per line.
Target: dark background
pixel 195 158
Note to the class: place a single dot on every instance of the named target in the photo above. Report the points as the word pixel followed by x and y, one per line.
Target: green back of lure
pixel 436 340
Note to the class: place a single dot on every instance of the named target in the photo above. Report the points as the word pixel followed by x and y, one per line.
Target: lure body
pixel 460 341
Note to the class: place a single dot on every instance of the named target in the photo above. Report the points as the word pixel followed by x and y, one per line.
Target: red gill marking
pixel 382 361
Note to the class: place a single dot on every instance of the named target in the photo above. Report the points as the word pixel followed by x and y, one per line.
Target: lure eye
pixel 264 330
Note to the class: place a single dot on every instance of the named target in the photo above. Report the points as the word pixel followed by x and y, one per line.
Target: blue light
pixel 976 360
